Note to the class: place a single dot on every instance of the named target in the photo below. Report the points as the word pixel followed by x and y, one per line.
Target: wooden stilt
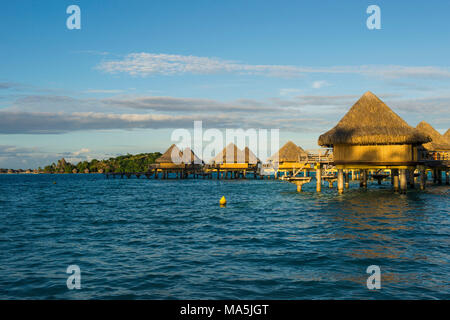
pixel 411 178
pixel 346 179
pixel 439 176
pixel 423 179
pixel 319 177
pixel 395 179
pixel 363 179
pixel 403 181
pixel 340 181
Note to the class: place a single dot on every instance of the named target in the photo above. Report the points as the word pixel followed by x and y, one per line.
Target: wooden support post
pixel 353 175
pixel 245 174
pixel 447 177
pixel 395 179
pixel 439 176
pixel 411 178
pixel 403 181
pixel 330 184
pixel 363 179
pixel 423 178
pixel 340 181
pixel 299 187
pixel 319 177
pixel 346 180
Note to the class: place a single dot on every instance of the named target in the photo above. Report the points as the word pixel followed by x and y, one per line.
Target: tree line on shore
pixel 125 163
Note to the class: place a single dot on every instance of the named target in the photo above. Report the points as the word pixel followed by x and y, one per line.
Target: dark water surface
pixel 147 239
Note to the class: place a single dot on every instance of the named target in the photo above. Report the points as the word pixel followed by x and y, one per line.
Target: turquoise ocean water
pixel 152 239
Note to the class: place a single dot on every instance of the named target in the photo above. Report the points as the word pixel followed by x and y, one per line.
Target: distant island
pixel 125 163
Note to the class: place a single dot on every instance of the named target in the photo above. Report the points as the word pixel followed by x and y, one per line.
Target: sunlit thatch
pixel 438 142
pixel 289 152
pixel 371 122
pixel 172 155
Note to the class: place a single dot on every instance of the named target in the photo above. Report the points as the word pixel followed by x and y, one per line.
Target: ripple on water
pixel 147 239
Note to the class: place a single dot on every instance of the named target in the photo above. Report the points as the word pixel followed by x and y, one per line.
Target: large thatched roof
pixel 438 142
pixel 289 152
pixel 370 121
pixel 172 155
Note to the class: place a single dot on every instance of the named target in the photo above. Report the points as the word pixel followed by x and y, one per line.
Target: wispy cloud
pixel 319 84
pixel 49 114
pixel 103 91
pixel 145 64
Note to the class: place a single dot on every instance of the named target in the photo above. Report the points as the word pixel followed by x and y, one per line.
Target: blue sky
pixel 137 70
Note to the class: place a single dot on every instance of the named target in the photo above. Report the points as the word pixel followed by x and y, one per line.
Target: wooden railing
pixel 434 155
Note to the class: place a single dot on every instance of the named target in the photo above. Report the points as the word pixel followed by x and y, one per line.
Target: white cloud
pixel 319 84
pixel 145 64
pixel 83 150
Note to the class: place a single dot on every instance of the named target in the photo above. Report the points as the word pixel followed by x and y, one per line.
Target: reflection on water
pixel 147 239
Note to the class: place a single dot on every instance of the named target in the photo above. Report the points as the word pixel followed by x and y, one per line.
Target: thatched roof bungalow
pixel 371 135
pixel 234 158
pixel 174 158
pixel 438 142
pixel 290 156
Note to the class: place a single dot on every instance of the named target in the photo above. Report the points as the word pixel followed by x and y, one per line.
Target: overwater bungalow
pixel 438 150
pixel 439 146
pixel 372 136
pixel 171 159
pixel 175 161
pixel 235 161
pixel 288 159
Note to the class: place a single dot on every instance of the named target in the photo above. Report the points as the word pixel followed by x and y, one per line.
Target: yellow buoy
pixel 223 201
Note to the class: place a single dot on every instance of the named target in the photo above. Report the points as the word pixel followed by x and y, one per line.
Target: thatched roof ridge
pixel 371 122
pixel 289 152
pixel 446 135
pixel 172 155
pixel 438 142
